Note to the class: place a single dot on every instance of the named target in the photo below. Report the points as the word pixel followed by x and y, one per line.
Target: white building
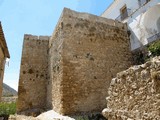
pixel 142 17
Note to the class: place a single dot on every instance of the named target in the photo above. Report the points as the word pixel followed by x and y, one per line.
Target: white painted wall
pixel 114 9
pixel 143 21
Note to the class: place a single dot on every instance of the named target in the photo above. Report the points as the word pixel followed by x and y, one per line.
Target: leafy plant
pixel 7 108
pixel 147 52
pixel 154 48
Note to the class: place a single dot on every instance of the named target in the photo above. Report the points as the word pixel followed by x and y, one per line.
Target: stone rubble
pixel 135 93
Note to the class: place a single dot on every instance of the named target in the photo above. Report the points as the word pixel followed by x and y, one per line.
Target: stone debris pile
pixel 135 93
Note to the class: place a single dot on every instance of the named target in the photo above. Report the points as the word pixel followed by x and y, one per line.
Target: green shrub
pixel 154 48
pixel 147 52
pixel 7 108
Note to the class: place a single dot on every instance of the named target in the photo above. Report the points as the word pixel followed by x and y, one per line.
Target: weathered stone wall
pixel 86 52
pixel 33 74
pixel 135 93
pixel 4 53
pixel 54 91
pixel 2 64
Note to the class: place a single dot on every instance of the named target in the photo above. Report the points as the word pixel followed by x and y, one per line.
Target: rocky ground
pixel 52 115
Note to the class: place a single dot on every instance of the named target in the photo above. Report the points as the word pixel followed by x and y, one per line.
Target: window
pixel 124 12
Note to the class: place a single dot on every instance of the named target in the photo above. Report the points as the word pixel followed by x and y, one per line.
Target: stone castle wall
pixel 54 91
pixel 33 74
pixel 86 52
pixel 135 93
pixel 71 71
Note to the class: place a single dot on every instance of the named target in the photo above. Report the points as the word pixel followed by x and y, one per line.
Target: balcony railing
pixel 124 15
pixel 128 12
pixel 154 37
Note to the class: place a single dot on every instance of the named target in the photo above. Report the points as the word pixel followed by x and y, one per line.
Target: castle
pixel 70 72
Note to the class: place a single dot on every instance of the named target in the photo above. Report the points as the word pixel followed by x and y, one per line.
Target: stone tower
pixel 71 71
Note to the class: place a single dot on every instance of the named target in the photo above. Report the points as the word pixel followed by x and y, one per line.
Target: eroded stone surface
pixel 135 93
pixel 84 53
pixel 33 74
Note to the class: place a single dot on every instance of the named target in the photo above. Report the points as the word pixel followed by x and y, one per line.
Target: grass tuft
pixel 7 108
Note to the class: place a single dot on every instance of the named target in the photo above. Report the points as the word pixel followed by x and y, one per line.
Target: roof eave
pixel 6 52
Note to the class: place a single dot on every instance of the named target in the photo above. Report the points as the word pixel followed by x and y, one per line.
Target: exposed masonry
pixel 77 63
pixel 135 93
pixel 34 37
pixel 33 73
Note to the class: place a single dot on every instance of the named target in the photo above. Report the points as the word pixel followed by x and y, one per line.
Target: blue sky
pixel 36 17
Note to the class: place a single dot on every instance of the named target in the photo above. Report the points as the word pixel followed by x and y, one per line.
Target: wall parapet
pixel 94 18
pixel 35 37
